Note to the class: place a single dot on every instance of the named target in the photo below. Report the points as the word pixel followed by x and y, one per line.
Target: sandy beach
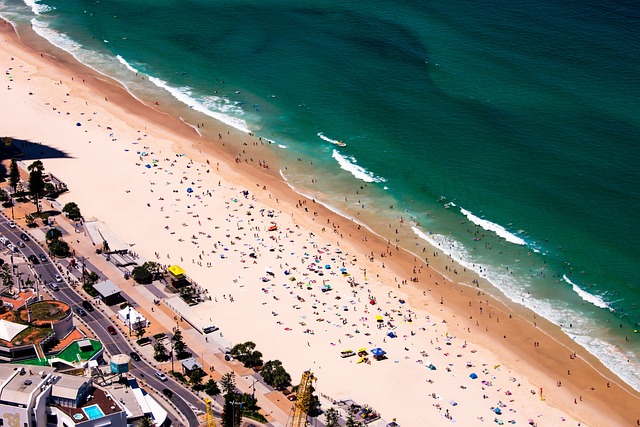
pixel 283 271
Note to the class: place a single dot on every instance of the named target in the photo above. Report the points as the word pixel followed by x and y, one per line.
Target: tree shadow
pixel 25 150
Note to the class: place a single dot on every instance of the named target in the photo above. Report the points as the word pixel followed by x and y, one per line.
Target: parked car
pixel 87 305
pixel 161 376
pixel 135 356
pixel 33 259
pixel 112 330
pixel 209 328
pixel 54 286
pixel 12 247
pixel 42 257
pixel 11 224
pixel 24 237
pixel 167 393
pixel 81 311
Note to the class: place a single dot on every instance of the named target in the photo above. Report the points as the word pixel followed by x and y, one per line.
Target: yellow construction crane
pixel 303 400
pixel 209 421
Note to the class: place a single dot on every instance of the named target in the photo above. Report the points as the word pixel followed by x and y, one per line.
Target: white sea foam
pixel 205 106
pixel 583 330
pixel 348 163
pixel 126 64
pixel 496 228
pixel 56 38
pixel 593 299
pixel 326 138
pixel 38 8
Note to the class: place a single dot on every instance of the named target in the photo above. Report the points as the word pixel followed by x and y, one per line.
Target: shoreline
pixel 610 405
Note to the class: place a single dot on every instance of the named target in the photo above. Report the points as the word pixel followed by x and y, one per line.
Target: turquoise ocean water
pixel 508 131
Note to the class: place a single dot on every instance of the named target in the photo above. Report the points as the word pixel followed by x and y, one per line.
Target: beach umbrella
pixel 379 318
pixel 78 124
pixel 473 376
pixel 497 411
pixel 189 190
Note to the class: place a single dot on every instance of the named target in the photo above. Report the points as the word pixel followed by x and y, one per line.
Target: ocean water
pixel 507 133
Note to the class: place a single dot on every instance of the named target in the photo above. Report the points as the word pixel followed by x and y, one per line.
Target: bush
pixel 88 288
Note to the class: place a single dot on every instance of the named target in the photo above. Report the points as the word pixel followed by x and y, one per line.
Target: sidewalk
pixel 208 349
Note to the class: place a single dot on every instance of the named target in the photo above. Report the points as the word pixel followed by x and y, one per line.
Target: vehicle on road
pixel 54 286
pixel 209 328
pixel 24 237
pixel 42 257
pixel 12 247
pixel 4 240
pixel 58 278
pixel 21 244
pixel 112 330
pixel 87 305
pixel 33 259
pixel 11 224
pixel 161 376
pixel 135 356
pixel 81 311
pixel 167 393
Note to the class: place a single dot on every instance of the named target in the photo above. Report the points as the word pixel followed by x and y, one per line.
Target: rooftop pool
pixel 93 412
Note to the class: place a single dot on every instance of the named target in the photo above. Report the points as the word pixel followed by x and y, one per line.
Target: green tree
pixel 59 248
pixel 247 354
pixel 195 378
pixel 352 422
pixel 211 388
pixel 275 375
pixel 36 182
pixel 178 343
pixel 14 175
pixel 30 220
pixel 141 275
pixel 72 210
pixel 53 234
pixel 331 418
pixel 228 383
pixel 4 196
pixel 160 352
pixel 140 331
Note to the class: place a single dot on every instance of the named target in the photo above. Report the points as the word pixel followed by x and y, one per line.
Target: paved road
pixel 98 322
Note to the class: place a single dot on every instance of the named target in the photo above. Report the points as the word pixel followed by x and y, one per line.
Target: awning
pixel 378 352
pixel 176 270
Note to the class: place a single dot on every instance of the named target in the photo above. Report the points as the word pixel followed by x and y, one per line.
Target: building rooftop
pixel 106 288
pixel 20 382
pixel 97 397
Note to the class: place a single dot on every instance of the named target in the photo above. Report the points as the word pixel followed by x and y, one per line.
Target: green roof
pixel 70 354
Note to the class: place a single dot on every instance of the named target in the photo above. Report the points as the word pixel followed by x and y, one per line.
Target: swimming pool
pixel 93 412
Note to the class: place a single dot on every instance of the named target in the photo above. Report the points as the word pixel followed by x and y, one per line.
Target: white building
pixel 34 396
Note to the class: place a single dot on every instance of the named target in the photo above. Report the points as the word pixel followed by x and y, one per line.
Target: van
pixel 209 328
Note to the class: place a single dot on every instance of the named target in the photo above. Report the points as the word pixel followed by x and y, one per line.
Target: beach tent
pixel 189 190
pixel 473 376
pixel 392 335
pixel 378 352
pixel 379 319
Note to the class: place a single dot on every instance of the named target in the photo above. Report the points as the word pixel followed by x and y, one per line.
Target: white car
pixel 161 376
pixel 58 278
pixel 12 247
pixel 11 224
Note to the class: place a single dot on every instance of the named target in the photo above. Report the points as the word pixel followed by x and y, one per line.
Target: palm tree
pixel 159 352
pixel 146 422
pixel 6 276
pixel 14 175
pixel 36 182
